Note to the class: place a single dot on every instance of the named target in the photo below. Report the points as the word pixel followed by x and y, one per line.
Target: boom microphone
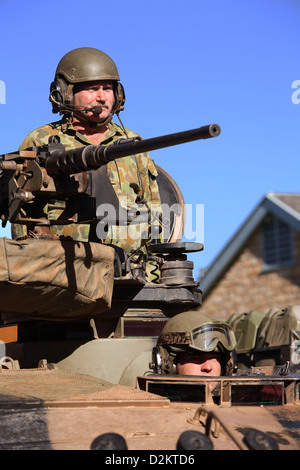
pixel 94 109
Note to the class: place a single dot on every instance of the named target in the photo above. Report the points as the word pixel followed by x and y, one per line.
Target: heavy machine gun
pixel 40 173
pixel 66 280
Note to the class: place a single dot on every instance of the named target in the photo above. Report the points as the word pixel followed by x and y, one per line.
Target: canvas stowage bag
pixel 276 326
pixel 55 280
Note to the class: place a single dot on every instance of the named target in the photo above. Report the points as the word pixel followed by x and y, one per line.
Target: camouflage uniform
pixel 124 177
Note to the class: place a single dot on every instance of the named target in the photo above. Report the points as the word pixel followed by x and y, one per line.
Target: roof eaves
pixel 282 210
pixel 269 203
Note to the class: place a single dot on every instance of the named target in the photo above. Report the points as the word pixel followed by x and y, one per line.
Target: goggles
pixel 204 338
pixel 207 337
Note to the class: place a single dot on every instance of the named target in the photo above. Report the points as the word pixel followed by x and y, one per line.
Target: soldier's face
pixel 199 364
pixel 97 93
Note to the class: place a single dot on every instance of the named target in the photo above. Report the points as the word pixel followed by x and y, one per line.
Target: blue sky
pixel 183 65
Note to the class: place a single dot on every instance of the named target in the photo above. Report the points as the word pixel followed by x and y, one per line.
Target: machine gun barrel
pixel 91 157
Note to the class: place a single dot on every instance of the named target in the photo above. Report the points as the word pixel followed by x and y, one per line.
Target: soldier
pixel 86 90
pixel 192 343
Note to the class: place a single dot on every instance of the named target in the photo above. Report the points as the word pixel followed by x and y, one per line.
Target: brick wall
pixel 245 287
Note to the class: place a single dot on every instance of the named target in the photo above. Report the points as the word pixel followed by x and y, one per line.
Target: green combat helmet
pixel 84 64
pixel 193 331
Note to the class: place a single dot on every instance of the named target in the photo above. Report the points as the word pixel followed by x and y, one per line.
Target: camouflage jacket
pixel 130 177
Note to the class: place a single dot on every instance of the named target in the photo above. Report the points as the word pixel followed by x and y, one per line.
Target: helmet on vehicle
pixel 84 64
pixel 194 332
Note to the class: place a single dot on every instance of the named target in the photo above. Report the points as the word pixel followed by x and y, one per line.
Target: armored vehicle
pixel 80 323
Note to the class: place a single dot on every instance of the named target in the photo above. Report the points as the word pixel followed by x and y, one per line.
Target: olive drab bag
pixel 54 279
pixel 275 327
pixel 245 327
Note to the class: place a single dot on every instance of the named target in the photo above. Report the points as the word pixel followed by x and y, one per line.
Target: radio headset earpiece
pixel 56 97
pixel 156 360
pixel 120 98
pixel 163 364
